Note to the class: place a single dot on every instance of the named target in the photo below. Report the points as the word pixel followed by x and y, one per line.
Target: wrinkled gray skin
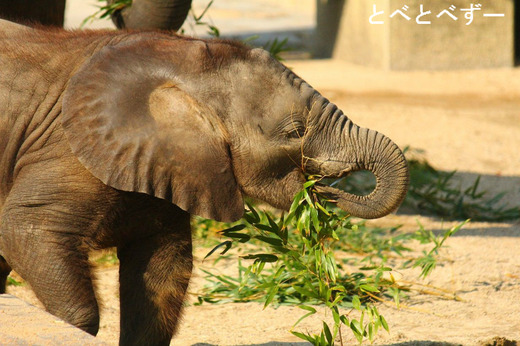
pixel 116 138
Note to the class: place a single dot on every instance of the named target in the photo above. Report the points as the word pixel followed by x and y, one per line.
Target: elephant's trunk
pixel 152 14
pixel 364 149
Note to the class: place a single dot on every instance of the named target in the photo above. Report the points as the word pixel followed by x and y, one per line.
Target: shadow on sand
pixel 407 343
pixel 493 185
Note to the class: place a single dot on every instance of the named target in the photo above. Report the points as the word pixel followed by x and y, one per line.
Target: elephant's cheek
pixel 282 191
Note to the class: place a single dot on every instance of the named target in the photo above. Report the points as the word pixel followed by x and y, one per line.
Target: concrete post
pixel 404 44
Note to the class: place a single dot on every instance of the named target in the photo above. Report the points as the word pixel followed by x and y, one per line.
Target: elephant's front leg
pixel 47 226
pixel 42 245
pixel 154 275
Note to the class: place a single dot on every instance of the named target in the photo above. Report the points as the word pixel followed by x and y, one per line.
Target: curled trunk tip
pixel 379 155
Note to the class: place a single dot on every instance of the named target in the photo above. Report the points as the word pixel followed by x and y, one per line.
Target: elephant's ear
pixel 131 124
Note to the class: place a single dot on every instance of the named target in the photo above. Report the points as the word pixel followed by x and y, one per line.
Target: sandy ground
pixel 465 120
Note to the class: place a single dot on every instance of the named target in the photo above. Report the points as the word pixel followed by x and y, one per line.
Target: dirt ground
pixel 464 120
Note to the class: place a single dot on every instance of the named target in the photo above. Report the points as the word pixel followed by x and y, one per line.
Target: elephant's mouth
pixel 345 177
pixel 351 191
pixel 357 182
pixel 351 182
pixel 362 189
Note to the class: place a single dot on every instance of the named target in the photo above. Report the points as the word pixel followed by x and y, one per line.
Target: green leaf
pixel 227 244
pixel 306 292
pixel 270 240
pixel 344 320
pixel 279 272
pixel 330 265
pixel 356 304
pixel 296 201
pixel 368 288
pixel 254 214
pixel 384 323
pixel 305 337
pixel 198 18
pixel 315 221
pixel 249 217
pixel 213 31
pixel 308 198
pixel 395 294
pixel 322 209
pixel 233 229
pixel 309 183
pixel 276 47
pixel 335 315
pixel 328 334
pixel 271 294
pixel 355 326
pixel 274 226
pixel 371 334
pixel 268 258
pixel 307 308
pixel 242 238
pixel 311 312
pixel 13 282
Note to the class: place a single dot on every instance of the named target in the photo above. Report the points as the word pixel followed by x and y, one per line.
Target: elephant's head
pixel 202 123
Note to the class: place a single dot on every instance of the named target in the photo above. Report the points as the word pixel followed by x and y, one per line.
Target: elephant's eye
pixel 296 133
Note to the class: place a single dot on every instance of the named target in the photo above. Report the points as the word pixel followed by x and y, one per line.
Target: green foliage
pixel 428 261
pixel 212 30
pixel 437 193
pixel 13 282
pixel 277 47
pixel 107 258
pixel 106 10
pixel 296 265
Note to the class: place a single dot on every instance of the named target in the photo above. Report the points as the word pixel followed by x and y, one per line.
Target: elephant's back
pixel 36 64
pixel 8 28
pixel 35 67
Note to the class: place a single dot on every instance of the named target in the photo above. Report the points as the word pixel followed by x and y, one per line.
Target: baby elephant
pixel 113 138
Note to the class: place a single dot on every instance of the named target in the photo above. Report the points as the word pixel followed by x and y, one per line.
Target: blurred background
pixel 479 37
pixel 386 34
